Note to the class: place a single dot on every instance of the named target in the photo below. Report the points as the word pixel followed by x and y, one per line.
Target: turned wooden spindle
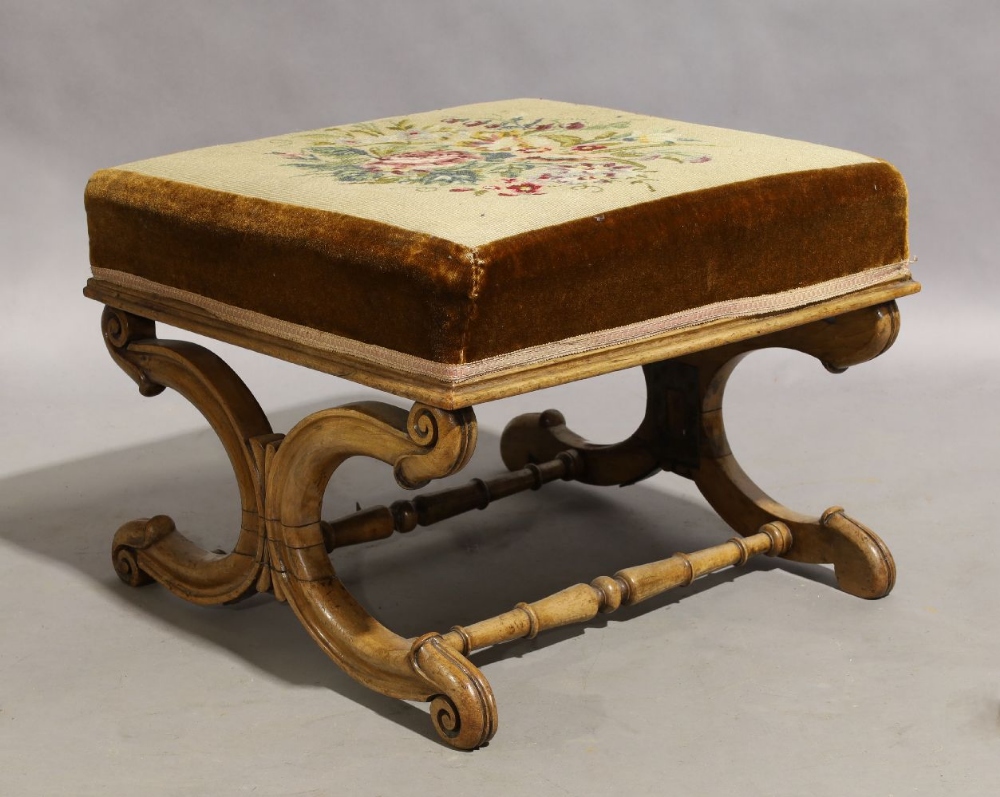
pixel 379 522
pixel 627 587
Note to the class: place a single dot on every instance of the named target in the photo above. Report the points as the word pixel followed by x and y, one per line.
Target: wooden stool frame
pixel 283 544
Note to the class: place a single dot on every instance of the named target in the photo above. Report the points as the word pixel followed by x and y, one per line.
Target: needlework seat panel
pixel 472 238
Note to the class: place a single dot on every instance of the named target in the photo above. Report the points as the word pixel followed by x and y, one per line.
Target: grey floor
pixel 754 682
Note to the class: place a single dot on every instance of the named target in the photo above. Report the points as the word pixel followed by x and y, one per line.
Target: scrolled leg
pixel 683 432
pixel 862 562
pixel 540 437
pixel 424 444
pixel 283 479
pixel 146 550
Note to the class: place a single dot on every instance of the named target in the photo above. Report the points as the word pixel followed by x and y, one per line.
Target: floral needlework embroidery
pixel 505 157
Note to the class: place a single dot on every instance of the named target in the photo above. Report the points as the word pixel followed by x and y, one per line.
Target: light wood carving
pixel 683 432
pixel 153 548
pixel 283 544
pixel 280 546
pixel 491 386
pixel 627 587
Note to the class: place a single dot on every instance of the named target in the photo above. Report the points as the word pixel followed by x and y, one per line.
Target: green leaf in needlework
pixel 638 151
pixel 448 176
pixel 385 150
pixel 346 173
pixel 627 161
pixel 336 151
pixel 515 169
pixel 368 129
pixel 562 138
pixel 402 124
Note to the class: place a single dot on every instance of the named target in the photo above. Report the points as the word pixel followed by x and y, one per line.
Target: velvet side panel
pixel 745 239
pixel 361 279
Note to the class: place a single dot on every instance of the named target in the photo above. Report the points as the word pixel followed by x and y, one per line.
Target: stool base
pixel 283 544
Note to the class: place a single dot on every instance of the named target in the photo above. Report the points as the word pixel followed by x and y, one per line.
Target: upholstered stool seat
pixel 455 244
pixel 468 254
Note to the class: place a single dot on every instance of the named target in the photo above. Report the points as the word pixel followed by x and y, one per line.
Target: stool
pixel 461 256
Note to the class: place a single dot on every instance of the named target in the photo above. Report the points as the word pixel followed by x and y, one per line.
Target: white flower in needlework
pixel 505 157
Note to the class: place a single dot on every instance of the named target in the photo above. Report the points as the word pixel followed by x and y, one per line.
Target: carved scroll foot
pixel 463 712
pixel 862 563
pixel 133 537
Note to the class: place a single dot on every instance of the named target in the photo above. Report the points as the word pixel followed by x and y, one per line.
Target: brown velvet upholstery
pixel 440 300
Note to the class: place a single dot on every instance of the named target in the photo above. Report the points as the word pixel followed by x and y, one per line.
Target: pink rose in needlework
pixel 420 160
pixel 513 188
pixel 510 188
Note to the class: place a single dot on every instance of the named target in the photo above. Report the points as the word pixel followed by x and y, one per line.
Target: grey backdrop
pixel 92 84
pixel 85 85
